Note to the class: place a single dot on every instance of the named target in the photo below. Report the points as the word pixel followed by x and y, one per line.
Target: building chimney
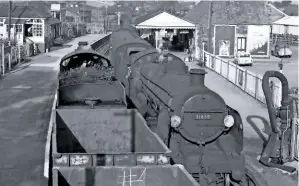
pixel 197 77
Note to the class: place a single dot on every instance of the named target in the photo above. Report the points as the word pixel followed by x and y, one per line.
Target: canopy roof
pixel 15 21
pixel 288 20
pixel 165 20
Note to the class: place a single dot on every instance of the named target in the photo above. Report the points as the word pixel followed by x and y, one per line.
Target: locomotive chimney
pixel 197 77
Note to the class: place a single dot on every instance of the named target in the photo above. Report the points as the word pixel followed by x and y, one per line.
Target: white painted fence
pixel 246 80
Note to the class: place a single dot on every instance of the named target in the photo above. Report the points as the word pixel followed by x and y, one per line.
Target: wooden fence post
pixel 221 66
pixel 256 86
pixel 3 59
pixel 227 74
pixel 19 53
pixel 245 81
pixel 9 58
pixel 236 75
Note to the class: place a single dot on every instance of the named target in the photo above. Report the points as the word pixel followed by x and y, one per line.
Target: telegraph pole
pixel 105 20
pixel 210 27
pixel 9 20
pixel 83 13
pixel 118 15
pixel 9 30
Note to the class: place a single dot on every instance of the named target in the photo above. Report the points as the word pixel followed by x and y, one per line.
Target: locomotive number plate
pixel 202 117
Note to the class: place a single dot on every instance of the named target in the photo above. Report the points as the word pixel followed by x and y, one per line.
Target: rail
pixel 251 83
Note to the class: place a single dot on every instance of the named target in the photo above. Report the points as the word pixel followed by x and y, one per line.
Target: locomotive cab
pixel 122 55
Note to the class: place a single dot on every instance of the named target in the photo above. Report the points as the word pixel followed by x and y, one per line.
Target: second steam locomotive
pixel 203 133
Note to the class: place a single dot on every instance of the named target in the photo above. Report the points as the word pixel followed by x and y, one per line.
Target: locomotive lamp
pixel 229 121
pixel 175 121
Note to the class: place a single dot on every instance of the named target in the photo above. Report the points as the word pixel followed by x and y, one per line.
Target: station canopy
pixel 288 21
pixel 165 20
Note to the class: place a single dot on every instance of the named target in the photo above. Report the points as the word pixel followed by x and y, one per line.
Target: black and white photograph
pixel 149 93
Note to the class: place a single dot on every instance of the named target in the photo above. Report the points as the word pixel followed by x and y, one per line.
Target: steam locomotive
pixel 203 133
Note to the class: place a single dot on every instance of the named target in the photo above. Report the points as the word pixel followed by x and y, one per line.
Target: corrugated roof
pixel 234 12
pixel 24 12
pixel 289 20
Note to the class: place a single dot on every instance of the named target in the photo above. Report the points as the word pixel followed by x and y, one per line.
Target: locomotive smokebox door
pixel 204 123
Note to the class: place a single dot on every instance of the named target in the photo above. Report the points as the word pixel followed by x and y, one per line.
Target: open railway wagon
pixel 96 140
pixel 203 133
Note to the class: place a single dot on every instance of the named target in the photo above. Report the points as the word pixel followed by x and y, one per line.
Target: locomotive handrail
pixel 171 96
pixel 143 53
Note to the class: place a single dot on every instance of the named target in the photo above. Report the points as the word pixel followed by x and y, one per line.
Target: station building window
pixel 34 27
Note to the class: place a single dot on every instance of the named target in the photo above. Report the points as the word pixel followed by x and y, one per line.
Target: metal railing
pixel 251 83
pixel 246 80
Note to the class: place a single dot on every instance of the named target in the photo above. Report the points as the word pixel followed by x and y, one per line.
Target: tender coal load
pixel 87 75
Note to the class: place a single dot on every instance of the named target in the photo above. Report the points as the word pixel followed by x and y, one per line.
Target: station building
pixel 163 29
pixel 28 24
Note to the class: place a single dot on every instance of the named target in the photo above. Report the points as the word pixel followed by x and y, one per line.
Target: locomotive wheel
pixel 252 178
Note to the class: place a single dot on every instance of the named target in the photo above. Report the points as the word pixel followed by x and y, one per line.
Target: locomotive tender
pixel 203 133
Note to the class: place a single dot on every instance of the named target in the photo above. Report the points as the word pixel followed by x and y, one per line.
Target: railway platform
pixel 256 124
pixel 26 96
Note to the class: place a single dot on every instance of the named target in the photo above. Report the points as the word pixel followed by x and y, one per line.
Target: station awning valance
pixel 165 21
pixel 288 21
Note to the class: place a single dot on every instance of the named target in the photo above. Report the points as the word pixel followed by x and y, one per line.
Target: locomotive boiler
pixel 203 133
